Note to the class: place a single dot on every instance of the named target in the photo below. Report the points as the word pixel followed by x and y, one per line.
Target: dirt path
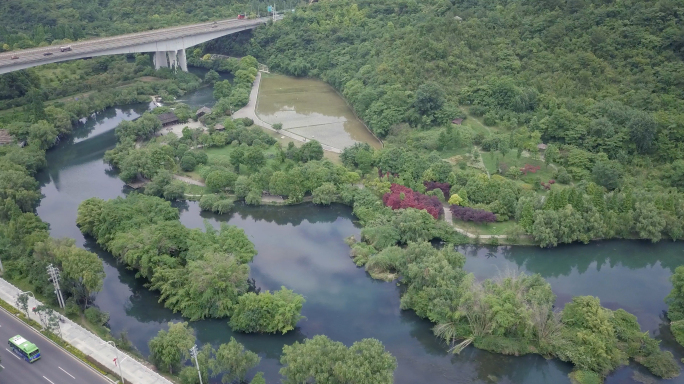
pixel 265 199
pixel 189 180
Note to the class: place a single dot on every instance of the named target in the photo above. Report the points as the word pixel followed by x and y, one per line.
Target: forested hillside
pixel 600 75
pixel 570 127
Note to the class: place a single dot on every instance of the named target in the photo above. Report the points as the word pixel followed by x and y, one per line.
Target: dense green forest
pixel 596 84
pixel 603 76
pixel 572 130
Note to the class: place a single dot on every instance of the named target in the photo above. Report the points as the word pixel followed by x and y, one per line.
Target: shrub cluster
pixel 444 187
pixel 267 312
pixel 530 168
pixel 472 214
pixel 400 197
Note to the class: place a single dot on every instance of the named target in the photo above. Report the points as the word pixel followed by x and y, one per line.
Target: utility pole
pixel 117 362
pixel 275 15
pixel 54 275
pixel 193 353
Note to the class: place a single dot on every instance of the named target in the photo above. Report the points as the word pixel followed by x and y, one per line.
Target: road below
pixel 54 367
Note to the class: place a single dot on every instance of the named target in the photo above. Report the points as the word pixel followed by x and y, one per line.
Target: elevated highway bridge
pixel 168 44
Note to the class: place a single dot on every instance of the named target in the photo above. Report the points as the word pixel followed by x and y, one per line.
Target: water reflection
pixel 311 108
pixel 630 275
pixel 205 95
pixel 302 247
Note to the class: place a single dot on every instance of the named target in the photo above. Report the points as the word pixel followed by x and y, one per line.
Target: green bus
pixel 24 348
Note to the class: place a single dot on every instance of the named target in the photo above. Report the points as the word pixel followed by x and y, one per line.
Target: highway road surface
pixel 54 367
pixel 93 45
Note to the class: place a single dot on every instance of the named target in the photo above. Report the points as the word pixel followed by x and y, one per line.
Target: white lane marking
pixel 1 366
pixel 67 373
pixel 12 353
pixel 48 379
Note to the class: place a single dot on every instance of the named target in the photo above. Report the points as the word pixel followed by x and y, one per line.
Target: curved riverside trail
pixel 189 180
pixel 249 111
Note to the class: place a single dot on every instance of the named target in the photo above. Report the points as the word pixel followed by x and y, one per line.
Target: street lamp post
pixel 117 361
pixel 193 353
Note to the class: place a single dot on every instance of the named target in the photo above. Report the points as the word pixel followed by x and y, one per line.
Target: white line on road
pixel 12 353
pixel 1 366
pixel 67 373
pixel 47 379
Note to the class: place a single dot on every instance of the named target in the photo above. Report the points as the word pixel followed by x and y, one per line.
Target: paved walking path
pixel 189 180
pixel 90 344
pixel 249 111
pixel 265 199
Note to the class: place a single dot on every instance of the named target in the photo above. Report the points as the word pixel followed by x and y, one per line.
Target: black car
pixel 47 53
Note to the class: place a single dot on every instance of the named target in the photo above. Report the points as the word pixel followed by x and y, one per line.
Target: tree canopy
pixel 322 360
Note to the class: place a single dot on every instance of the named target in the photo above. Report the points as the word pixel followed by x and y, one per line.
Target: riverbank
pixel 446 216
pixel 301 247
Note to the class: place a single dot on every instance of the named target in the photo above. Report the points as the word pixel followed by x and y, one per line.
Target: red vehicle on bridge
pixel 242 16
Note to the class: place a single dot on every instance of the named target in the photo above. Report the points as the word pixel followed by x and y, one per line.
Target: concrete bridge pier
pixel 160 60
pixel 182 60
pixel 172 59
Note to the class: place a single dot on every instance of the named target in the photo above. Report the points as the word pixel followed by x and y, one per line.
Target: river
pixel 302 248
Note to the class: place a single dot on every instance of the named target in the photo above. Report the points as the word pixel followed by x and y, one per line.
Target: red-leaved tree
pixel 432 185
pixel 401 197
pixel 472 214
pixel 529 168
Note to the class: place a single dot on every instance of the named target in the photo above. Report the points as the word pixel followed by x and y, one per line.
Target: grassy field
pixel 486 229
pixel 477 124
pixel 223 153
pixel 492 159
pixel 191 189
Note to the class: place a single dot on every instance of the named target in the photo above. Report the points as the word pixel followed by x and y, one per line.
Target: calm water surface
pixel 302 248
pixel 202 97
pixel 311 108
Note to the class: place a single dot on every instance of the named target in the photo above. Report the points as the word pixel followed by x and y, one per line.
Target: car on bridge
pixel 14 57
pixel 65 49
pixel 47 54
